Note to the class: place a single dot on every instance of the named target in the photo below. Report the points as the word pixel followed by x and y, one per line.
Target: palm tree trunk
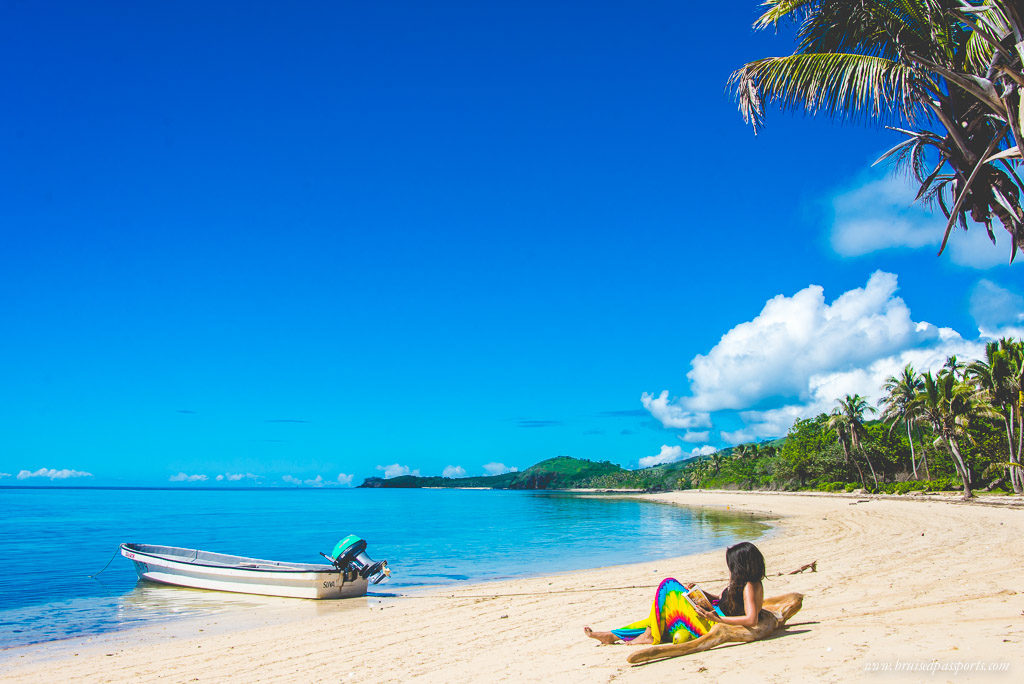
pixel 857 447
pixel 1010 421
pixel 995 483
pixel 965 475
pixel 846 457
pixel 913 460
pixel 1014 476
pixel 860 473
pixel 1017 477
pixel 868 459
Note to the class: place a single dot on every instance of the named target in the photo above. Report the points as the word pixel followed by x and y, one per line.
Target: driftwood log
pixel 773 616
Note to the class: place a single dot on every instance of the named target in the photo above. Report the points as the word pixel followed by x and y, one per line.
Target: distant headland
pixel 561 472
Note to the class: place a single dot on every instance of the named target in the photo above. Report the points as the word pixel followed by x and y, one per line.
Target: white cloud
pixel 800 354
pixel 317 481
pixel 672 415
pixel 997 311
pixel 799 344
pixel 868 380
pixel 772 422
pixel 668 454
pixel 235 477
pixel 453 471
pixel 693 436
pixel 825 389
pixel 671 454
pixel 742 435
pixel 3 475
pixel 881 214
pixel 975 249
pixel 345 480
pixel 52 473
pixel 395 470
pixel 499 469
pixel 184 477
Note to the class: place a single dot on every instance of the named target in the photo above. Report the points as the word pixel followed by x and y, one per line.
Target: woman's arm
pixel 753 598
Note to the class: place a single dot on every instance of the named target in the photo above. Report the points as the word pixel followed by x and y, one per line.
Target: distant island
pixel 561 472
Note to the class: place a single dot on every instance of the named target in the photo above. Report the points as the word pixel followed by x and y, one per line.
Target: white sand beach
pixel 901 584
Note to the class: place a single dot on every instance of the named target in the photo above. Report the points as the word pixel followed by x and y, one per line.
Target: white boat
pixel 346 578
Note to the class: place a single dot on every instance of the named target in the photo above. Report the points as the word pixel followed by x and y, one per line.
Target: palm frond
pixel 837 85
pixel 979 53
pixel 780 10
pixel 957 64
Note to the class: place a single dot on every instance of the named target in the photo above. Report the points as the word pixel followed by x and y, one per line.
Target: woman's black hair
pixel 746 564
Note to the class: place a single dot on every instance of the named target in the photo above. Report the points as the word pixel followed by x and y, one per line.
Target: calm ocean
pixel 51 540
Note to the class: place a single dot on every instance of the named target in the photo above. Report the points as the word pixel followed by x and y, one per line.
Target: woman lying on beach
pixel 671 615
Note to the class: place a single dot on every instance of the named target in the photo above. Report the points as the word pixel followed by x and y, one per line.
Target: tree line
pixel 961 426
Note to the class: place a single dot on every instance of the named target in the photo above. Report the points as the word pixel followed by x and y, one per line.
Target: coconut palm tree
pixel 839 423
pixel 955 366
pixel 951 405
pixel 848 422
pixel 743 451
pixel 944 73
pixel 900 391
pixel 999 376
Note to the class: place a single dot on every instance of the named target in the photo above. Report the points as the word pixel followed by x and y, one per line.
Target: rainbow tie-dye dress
pixel 673 617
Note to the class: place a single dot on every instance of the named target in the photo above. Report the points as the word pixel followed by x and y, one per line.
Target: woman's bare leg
pixel 645 638
pixel 607 638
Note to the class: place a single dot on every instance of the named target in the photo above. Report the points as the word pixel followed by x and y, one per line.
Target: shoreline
pixel 226 612
pixel 881 595
pixel 223 610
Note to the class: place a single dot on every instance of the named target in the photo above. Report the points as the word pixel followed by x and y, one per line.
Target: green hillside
pixel 564 472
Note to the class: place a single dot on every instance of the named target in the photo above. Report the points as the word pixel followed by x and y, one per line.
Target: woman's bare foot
pixel 606 638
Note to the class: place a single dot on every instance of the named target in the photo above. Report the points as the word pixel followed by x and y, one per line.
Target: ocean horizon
pixel 430 537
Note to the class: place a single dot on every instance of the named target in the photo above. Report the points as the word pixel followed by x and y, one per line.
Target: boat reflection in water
pixel 152 602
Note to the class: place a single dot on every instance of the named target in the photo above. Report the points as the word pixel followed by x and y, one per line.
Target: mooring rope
pixel 116 551
pixel 813 567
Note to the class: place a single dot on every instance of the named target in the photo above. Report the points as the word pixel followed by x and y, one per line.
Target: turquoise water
pixel 51 540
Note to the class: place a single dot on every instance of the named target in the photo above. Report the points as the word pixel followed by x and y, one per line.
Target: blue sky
pixel 266 242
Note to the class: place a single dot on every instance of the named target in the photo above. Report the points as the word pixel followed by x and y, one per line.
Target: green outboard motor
pixel 351 552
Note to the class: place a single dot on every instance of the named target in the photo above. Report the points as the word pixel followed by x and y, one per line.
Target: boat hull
pixel 203 570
